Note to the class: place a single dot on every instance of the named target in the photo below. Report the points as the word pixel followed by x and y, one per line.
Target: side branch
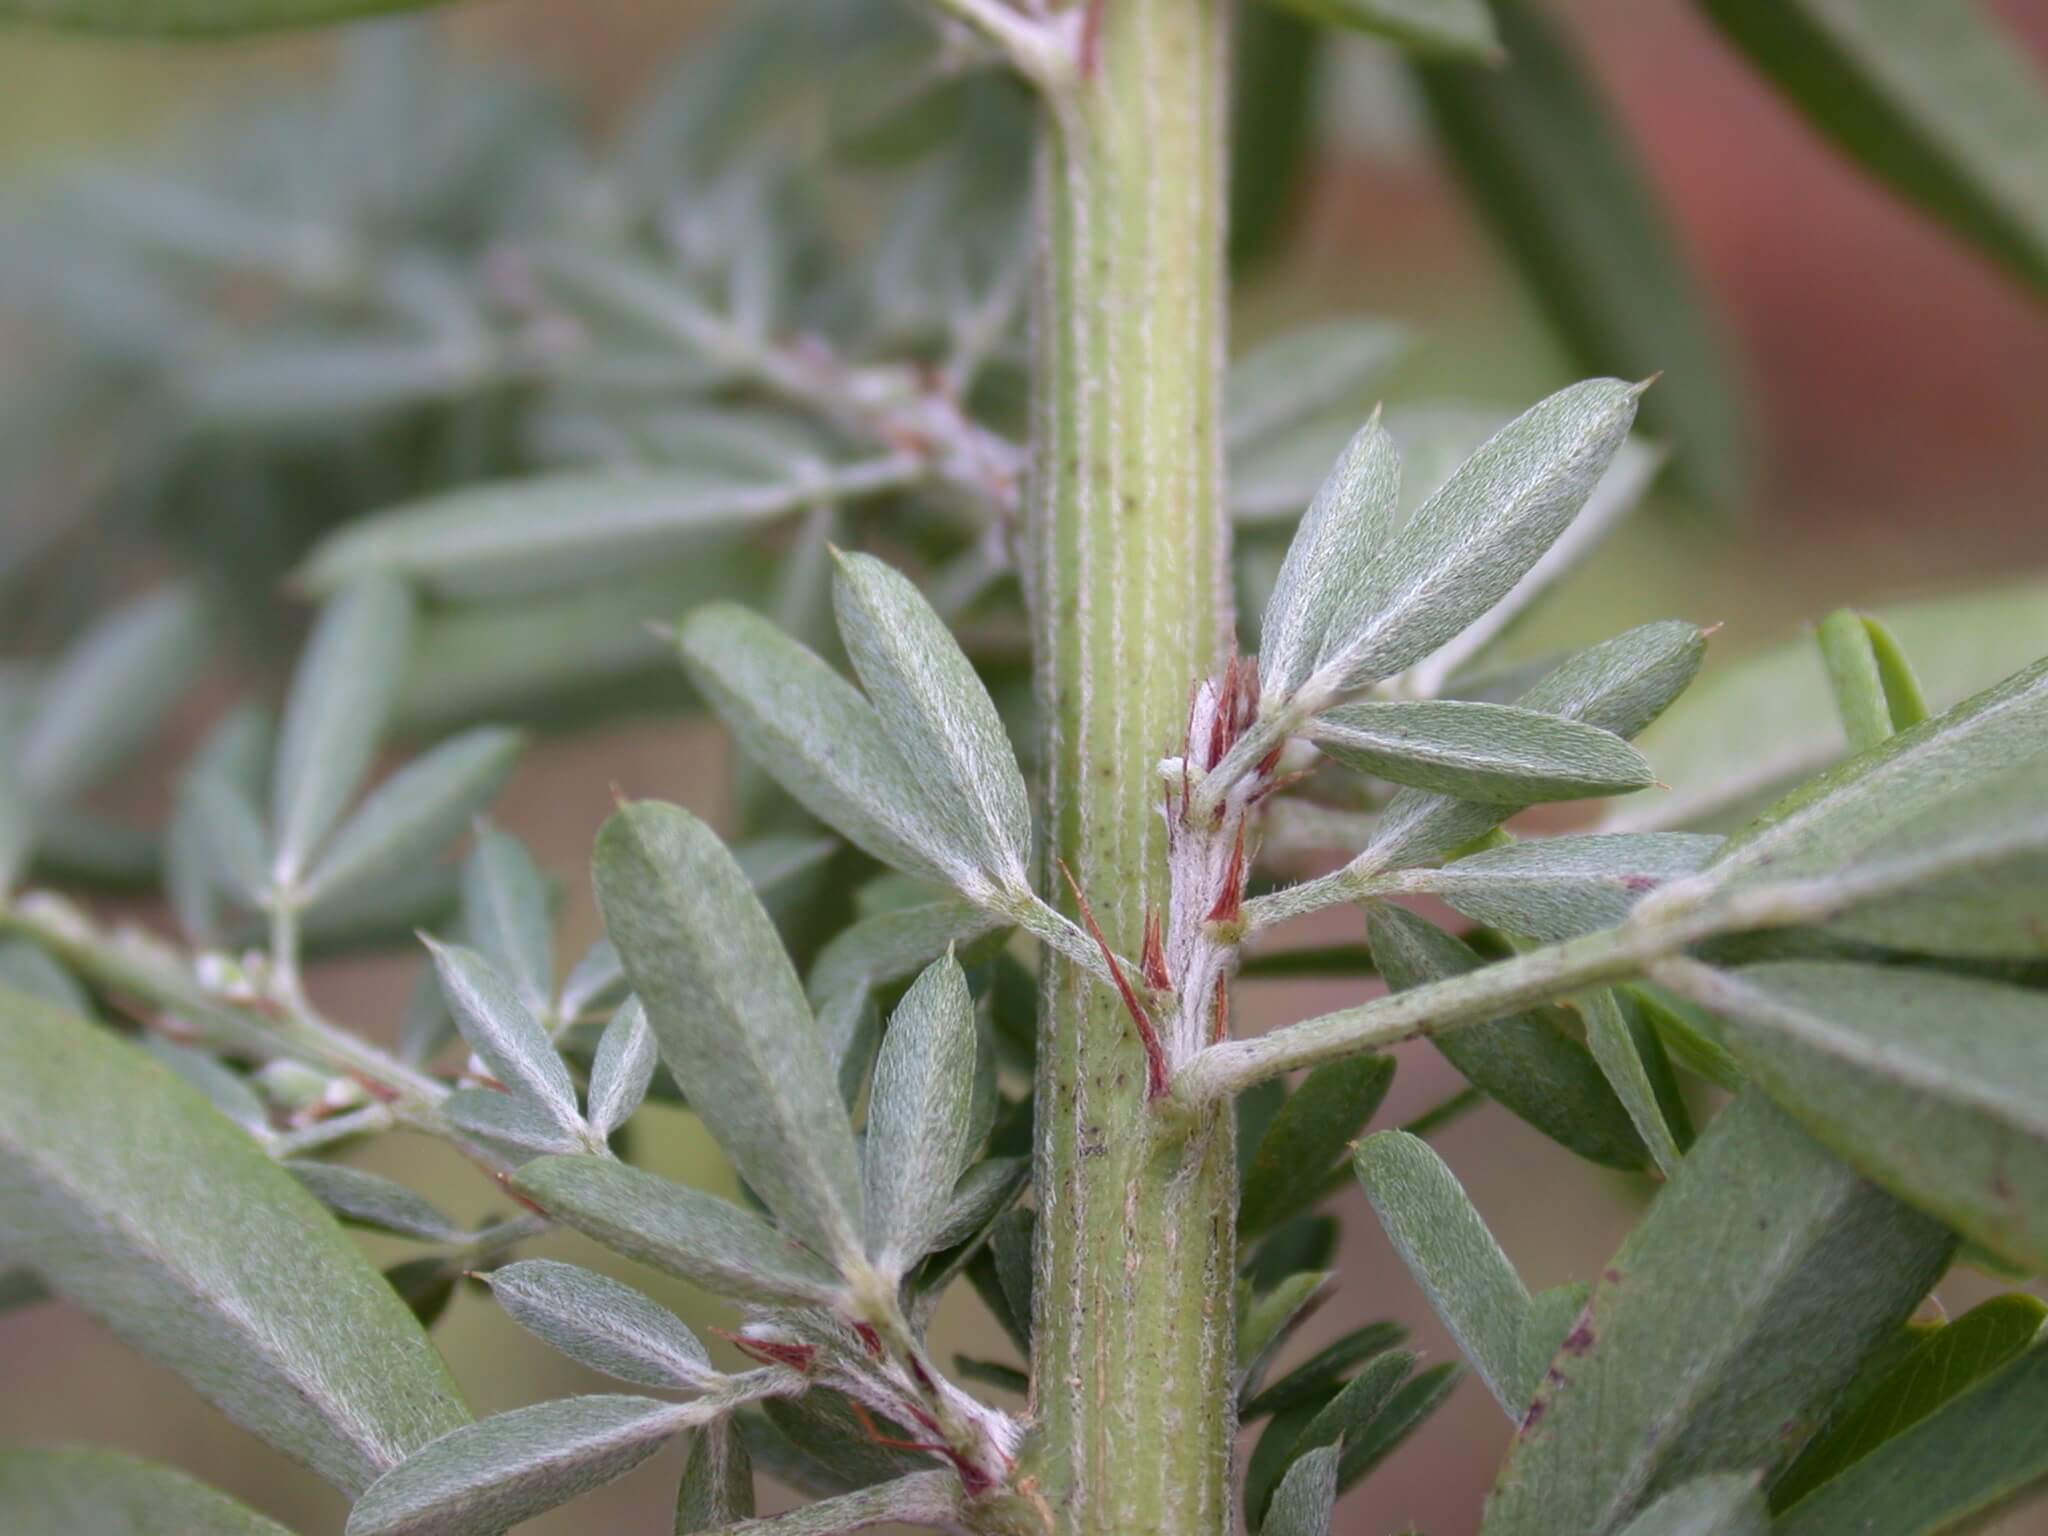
pixel 1666 924
pixel 1473 998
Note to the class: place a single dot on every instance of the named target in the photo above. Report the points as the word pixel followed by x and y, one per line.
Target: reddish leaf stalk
pixel 1158 1078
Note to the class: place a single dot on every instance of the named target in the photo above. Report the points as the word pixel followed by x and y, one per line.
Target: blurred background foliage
pixel 251 292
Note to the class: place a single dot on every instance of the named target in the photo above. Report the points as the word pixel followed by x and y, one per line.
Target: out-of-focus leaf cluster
pixel 421 274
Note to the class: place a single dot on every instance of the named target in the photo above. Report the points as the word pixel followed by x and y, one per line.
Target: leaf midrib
pixel 1666 1429
pixel 792 1133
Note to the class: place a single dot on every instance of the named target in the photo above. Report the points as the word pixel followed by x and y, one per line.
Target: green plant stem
pixel 367 1121
pixel 1127 576
pixel 144 970
pixel 1682 914
pixel 284 950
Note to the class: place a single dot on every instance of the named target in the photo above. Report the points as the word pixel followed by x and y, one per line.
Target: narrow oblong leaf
pixel 717 1488
pixel 415 813
pixel 1928 1082
pixel 1948 1361
pixel 512 1124
pixel 29 968
pixel 230 835
pixel 1254 1112
pixel 1615 1046
pixel 730 1017
pixel 225 1089
pixel 341 693
pixel 576 655
pixel 1307 1242
pixel 1752 729
pixel 1940 105
pixel 920 1117
pixel 1301 374
pixel 506 919
pixel 1405 1412
pixel 1620 685
pixel 1691 1034
pixel 1468 545
pixel 1307 1138
pixel 1554 174
pixel 73 1490
pixel 108 691
pixel 776 866
pixel 1267 1465
pixel 1265 1320
pixel 1476 751
pixel 501 1030
pixel 624 1068
pixel 306 387
pixel 1851 659
pixel 1952 1471
pixel 1904 700
pixel 202 862
pixel 1453 1257
pixel 1324 579
pixel 939 715
pixel 1273 126
pixel 850 1029
pixel 374 1201
pixel 1338 1420
pixel 708 1241
pixel 890 946
pixel 513 1466
pixel 516 538
pixel 1623 684
pixel 920 1500
pixel 1617 494
pixel 1460 29
pixel 134 1200
pixel 384 915
pixel 1560 887
pixel 1529 1062
pixel 1316 1377
pixel 592 981
pixel 984 1192
pixel 1723 1354
pixel 602 1324
pixel 1720 1504
pixel 814 733
pixel 86 848
pixel 1306 1498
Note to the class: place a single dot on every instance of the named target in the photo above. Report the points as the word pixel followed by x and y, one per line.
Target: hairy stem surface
pixel 1133 1301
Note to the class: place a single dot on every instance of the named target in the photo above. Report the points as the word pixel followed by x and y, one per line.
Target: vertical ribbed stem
pixel 1134 1327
